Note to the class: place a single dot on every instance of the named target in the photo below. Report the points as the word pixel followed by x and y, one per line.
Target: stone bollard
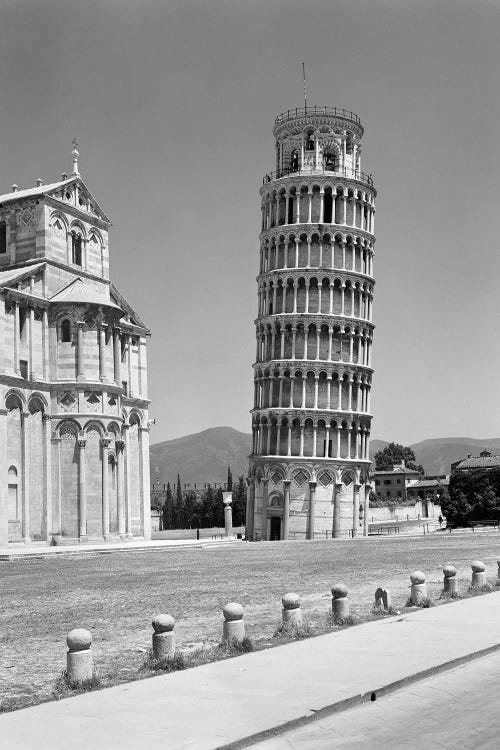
pixel 291 614
pixel 450 583
pixel 234 627
pixel 79 665
pixel 418 590
pixel 340 602
pixel 383 598
pixel 478 573
pixel 163 637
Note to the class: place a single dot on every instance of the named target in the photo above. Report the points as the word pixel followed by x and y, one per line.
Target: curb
pixel 356 700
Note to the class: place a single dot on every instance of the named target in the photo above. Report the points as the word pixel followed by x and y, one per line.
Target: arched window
pixel 66 330
pixel 3 237
pixel 13 508
pixel 76 248
pixel 310 140
pixel 294 161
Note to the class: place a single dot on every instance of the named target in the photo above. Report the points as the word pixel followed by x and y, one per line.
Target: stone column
pixel 336 510
pixel 120 446
pixel 321 206
pixel 105 487
pixel 31 326
pixel 25 462
pixel 82 489
pixel 366 510
pixel 309 210
pixel 250 521
pixel 228 515
pixel 47 475
pixel 79 351
pixel 4 520
pixel 286 508
pixel 45 345
pixel 102 353
pixel 128 498
pixel 117 356
pixel 265 500
pixel 355 510
pixel 328 391
pixel 16 337
pixel 316 389
pixel 301 449
pixel 312 508
pixel 294 336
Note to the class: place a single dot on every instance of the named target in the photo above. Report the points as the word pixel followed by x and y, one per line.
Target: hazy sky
pixel 173 105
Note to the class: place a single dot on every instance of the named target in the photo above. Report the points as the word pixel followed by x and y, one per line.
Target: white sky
pixel 173 105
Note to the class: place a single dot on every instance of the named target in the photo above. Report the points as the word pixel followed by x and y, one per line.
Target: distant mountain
pixel 201 457
pixel 205 456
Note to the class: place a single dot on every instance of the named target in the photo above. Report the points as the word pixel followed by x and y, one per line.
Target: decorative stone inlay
pixel 300 477
pixel 26 217
pixel 325 478
pixel 67 400
pixel 276 477
pixel 93 400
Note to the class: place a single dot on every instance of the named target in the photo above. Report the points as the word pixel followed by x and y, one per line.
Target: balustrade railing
pixel 354 174
pixel 290 114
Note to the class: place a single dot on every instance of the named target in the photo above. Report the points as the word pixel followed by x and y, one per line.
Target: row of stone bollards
pixel 79 663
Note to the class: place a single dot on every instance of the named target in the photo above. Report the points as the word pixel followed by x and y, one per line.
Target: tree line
pixel 204 508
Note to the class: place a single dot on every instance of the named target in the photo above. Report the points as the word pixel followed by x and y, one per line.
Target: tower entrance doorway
pixel 275 534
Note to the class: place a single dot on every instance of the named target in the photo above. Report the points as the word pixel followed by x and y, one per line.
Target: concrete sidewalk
pixel 24 552
pixel 227 702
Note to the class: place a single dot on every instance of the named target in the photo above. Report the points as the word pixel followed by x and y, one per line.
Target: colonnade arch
pixel 317 250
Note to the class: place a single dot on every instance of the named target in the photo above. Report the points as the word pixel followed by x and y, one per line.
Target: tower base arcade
pixel 303 499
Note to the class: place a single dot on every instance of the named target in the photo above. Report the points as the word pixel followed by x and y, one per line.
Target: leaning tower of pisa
pixel 311 419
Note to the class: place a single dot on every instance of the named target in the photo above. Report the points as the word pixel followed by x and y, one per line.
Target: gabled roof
pixel 50 189
pixel 124 305
pixel 397 470
pixel 32 192
pixel 14 275
pixel 79 293
pixel 479 462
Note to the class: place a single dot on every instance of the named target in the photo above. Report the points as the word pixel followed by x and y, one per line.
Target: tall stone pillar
pixel 47 471
pixel 145 481
pixel 265 500
pixel 250 508
pixel 82 489
pixel 355 509
pixel 79 351
pixel 366 510
pixel 102 352
pixel 336 511
pixel 25 533
pixel 286 508
pixel 128 498
pixel 117 355
pixel 105 441
pixel 312 508
pixel 4 500
pixel 120 484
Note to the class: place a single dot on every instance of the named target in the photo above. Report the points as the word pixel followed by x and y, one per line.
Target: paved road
pixel 455 709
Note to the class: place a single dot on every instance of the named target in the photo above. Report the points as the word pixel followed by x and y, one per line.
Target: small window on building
pixel 387 481
pixel 125 387
pixel 23 368
pixel 66 331
pixel 377 482
pixel 398 481
pixel 76 248
pixel 3 237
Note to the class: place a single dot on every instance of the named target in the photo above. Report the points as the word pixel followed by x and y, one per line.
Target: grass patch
pixel 486 588
pixel 379 611
pixel 341 622
pixel 446 595
pixel 424 602
pixel 232 647
pixel 172 663
pixel 293 632
pixel 63 686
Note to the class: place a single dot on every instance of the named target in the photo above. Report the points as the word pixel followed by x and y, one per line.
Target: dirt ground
pixel 116 595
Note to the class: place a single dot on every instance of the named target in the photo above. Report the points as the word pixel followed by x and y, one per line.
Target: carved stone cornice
pixel 294 274
pixel 334 320
pixel 345 231
pixel 328 415
pixel 316 366
pixel 339 125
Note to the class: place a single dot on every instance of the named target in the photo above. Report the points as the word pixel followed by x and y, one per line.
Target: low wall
pixel 191 533
pixel 404 512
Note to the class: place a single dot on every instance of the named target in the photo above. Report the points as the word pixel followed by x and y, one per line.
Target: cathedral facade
pixel 74 430
pixel 311 419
